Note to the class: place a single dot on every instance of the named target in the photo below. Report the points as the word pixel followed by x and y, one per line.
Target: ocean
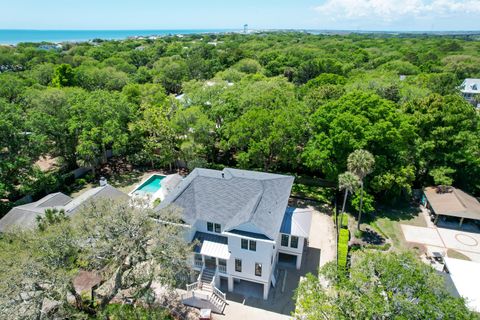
pixel 16 36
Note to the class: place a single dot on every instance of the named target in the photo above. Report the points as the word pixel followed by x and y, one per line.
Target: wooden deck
pixel 200 299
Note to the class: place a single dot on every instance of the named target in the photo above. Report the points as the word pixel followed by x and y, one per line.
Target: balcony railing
pixel 198 263
pixel 222 269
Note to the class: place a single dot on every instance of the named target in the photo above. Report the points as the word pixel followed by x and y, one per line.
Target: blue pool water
pixel 152 185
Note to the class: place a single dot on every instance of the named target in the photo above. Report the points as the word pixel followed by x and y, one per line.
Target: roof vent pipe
pixel 103 181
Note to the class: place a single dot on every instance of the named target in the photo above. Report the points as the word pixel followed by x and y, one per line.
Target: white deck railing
pixel 219 293
pixel 192 286
pixel 222 269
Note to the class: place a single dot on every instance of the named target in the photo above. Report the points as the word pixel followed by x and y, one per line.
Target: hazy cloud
pixel 390 10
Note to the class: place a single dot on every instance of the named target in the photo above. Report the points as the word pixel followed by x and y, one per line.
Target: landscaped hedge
pixel 342 220
pixel 343 238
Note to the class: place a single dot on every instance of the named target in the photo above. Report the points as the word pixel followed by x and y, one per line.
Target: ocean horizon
pixel 15 36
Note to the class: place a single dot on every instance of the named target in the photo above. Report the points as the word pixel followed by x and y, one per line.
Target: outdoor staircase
pixel 204 294
pixel 207 276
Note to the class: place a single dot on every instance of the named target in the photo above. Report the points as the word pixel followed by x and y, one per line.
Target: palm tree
pixel 360 162
pixel 349 182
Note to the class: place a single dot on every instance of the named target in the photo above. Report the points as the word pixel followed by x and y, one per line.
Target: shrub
pixel 156 202
pixel 80 182
pixel 343 238
pixel 358 234
pixel 68 178
pixel 383 247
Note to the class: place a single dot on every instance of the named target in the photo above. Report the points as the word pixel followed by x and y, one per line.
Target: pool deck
pixel 161 193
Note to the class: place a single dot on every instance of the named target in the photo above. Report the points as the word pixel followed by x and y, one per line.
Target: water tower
pixel 245 28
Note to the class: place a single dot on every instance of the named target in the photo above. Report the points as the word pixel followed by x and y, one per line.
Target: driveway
pixel 465 242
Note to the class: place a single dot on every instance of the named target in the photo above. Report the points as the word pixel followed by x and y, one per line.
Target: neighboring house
pixel 243 227
pixel 470 88
pixel 25 216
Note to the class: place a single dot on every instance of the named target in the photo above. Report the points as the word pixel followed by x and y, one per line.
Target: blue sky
pixel 406 15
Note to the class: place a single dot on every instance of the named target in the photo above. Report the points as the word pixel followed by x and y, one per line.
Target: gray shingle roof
pixel 236 198
pixel 25 216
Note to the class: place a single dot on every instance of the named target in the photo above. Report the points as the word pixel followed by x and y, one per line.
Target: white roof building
pixel 465 277
pixel 470 86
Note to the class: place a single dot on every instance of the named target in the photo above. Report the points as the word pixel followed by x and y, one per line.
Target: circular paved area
pixel 466 240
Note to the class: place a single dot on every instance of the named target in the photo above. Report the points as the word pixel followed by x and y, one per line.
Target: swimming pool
pixel 152 185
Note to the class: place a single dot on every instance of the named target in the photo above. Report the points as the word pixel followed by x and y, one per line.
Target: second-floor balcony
pixel 211 252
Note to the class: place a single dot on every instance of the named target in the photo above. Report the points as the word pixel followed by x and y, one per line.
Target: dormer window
pixel 214 227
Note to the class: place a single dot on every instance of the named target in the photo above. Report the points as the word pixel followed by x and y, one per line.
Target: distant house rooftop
pixel 25 216
pixel 471 86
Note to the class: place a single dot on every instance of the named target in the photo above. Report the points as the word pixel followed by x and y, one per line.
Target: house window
pixel 258 269
pixel 238 265
pixel 284 240
pixel 217 228
pixel 245 244
pixel 253 245
pixel 294 242
pixel 210 226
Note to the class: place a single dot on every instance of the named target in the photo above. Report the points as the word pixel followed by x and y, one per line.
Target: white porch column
pixel 230 283
pixel 203 260
pixel 266 288
pixel 299 261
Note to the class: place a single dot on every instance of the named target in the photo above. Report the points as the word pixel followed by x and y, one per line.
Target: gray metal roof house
pixel 24 216
pixel 233 197
pixel 242 228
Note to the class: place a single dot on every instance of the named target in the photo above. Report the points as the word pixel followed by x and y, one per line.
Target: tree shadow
pixel 399 212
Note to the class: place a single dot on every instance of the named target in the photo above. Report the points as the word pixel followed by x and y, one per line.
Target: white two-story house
pixel 242 225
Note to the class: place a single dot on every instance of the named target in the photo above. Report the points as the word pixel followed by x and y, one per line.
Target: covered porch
pixel 210 252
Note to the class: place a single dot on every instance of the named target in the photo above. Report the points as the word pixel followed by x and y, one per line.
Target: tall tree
pixel 63 76
pixel 360 162
pixel 101 120
pixel 17 152
pixel 349 182
pixel 379 286
pixel 128 246
pixel 53 122
pixel 155 136
pixel 359 120
pixel 448 131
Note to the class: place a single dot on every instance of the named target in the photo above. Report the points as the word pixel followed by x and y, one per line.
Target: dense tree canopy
pixel 286 102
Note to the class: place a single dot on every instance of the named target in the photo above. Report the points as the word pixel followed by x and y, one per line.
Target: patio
pixel 441 239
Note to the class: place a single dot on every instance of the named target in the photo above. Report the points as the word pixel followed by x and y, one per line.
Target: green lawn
pixel 387 221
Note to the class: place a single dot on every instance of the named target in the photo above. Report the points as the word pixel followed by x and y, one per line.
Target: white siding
pixel 289 249
pixel 249 258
